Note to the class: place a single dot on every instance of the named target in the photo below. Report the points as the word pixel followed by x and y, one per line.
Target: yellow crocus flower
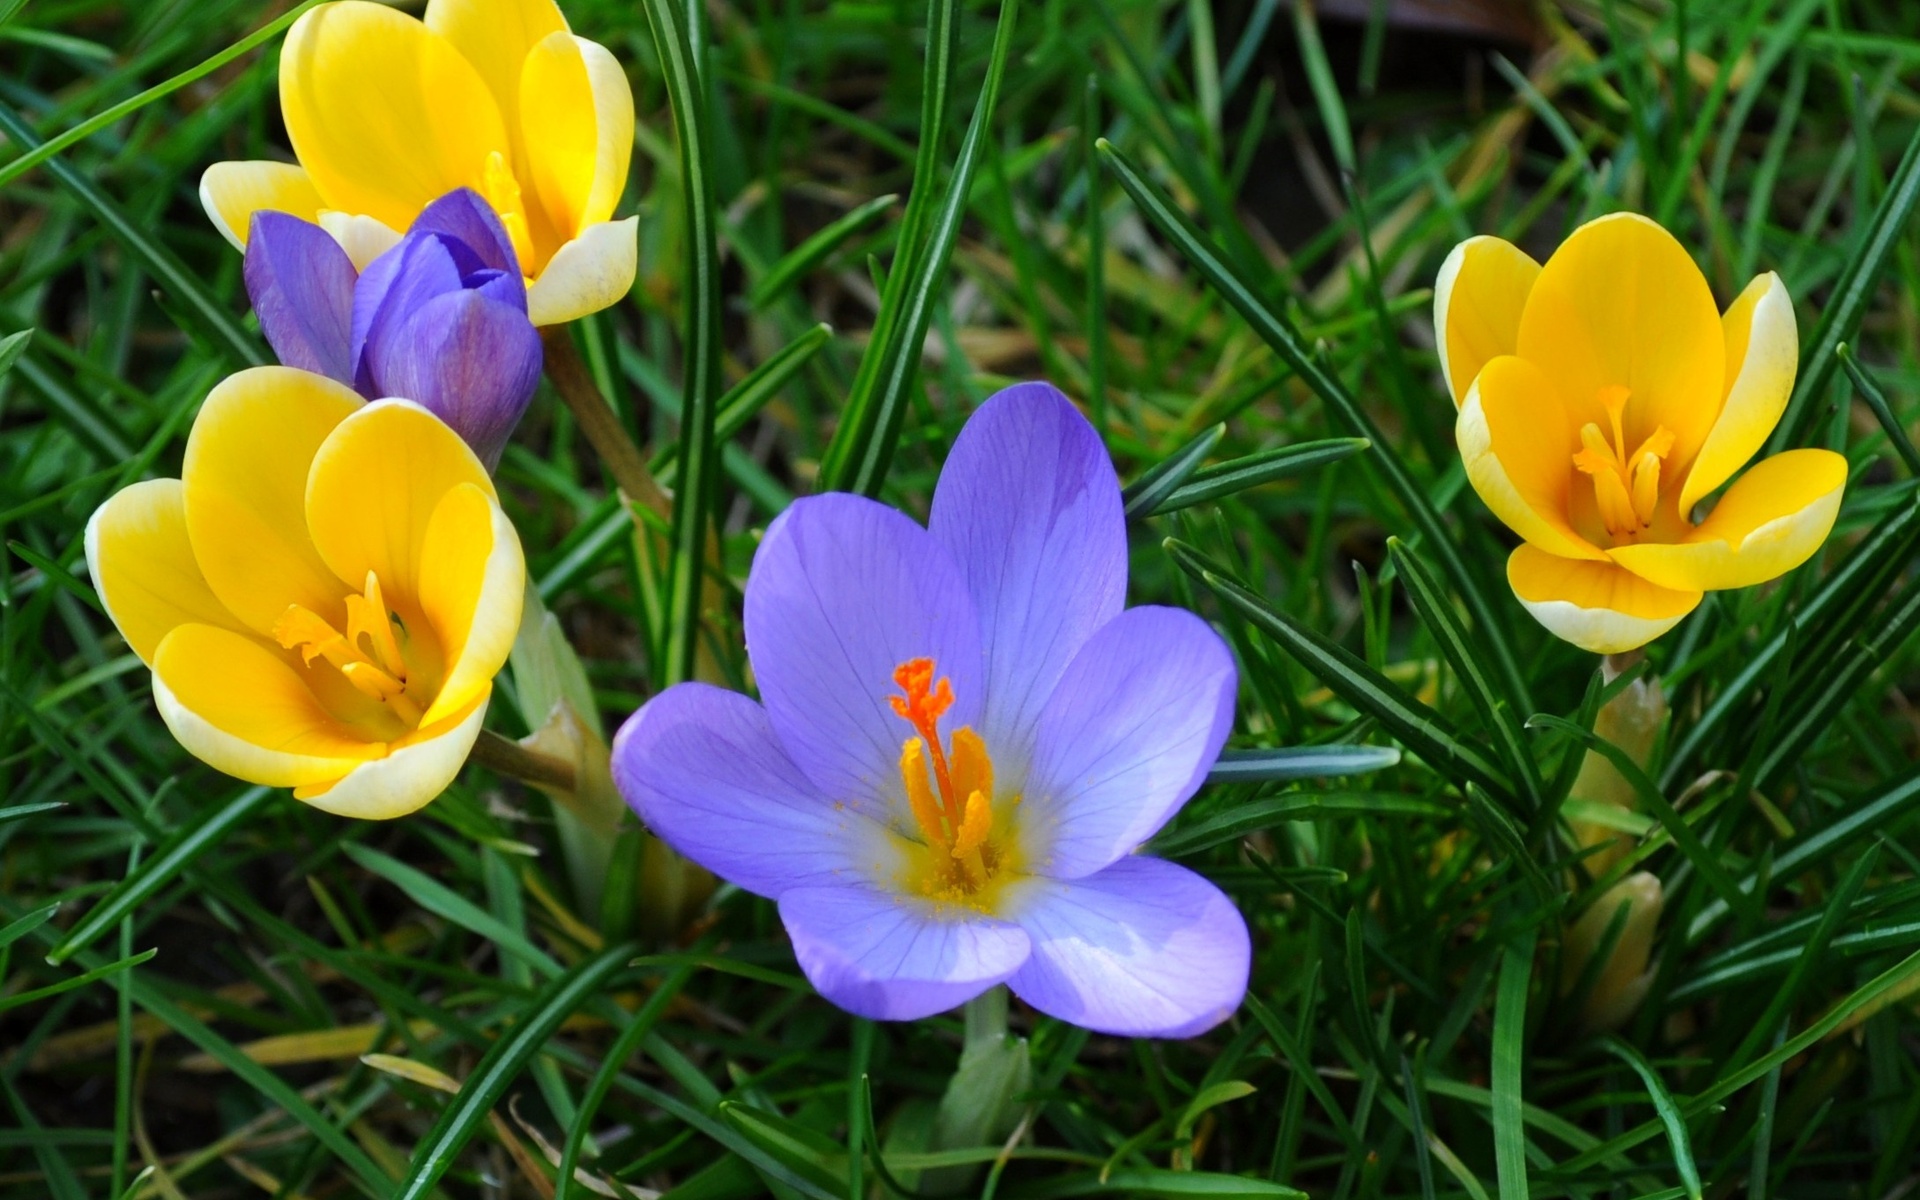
pixel 324 596
pixel 388 113
pixel 1601 398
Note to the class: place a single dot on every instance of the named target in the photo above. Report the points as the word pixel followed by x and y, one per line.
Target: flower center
pixel 1626 486
pixel 368 654
pixel 950 793
pixel 502 191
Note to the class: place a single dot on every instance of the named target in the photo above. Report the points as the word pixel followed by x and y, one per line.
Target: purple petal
pixel 890 958
pixel 702 768
pixel 1128 736
pixel 1142 949
pixel 461 214
pixel 471 361
pixel 1029 506
pixel 394 287
pixel 301 283
pixel 844 590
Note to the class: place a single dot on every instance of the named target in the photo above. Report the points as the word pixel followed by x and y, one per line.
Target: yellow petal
pixel 245 478
pixel 241 708
pixel 496 36
pixel 1770 521
pixel 576 117
pixel 1518 445
pixel 1595 605
pixel 1477 301
pixel 363 238
pixel 232 192
pixel 472 581
pixel 374 488
pixel 417 769
pixel 1620 304
pixel 142 565
pixel 1763 353
pixel 592 272
pixel 385 115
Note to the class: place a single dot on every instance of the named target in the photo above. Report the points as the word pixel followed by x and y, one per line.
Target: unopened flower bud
pixel 1623 978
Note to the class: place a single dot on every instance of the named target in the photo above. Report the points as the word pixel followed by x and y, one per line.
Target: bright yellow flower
pixel 387 114
pixel 324 596
pixel 1601 398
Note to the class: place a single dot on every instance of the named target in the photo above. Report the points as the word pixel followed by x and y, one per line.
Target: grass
pixel 1215 225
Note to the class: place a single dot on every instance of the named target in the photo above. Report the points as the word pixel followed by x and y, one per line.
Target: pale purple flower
pixel 962 740
pixel 439 319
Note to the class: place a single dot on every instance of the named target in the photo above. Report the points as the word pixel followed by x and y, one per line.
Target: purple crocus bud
pixel 962 739
pixel 440 319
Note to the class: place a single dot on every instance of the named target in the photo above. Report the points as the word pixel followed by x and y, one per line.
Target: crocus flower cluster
pixel 441 318
pixel 1601 398
pixel 961 741
pixel 324 595
pixel 388 113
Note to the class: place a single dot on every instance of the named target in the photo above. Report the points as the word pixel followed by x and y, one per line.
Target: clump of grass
pixel 1245 261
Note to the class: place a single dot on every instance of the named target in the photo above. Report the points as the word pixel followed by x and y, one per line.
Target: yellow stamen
pixel 949 794
pixel 369 617
pixel 368 655
pixel 972 769
pixel 974 827
pixel 305 630
pixel 1626 488
pixel 926 810
pixel 502 193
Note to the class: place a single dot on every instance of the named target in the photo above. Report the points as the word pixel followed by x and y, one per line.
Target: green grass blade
pixel 746 398
pixel 462 1118
pixel 1160 481
pixel 1278 763
pixel 1509 1053
pixel 441 900
pixel 1676 1124
pixel 1876 400
pixel 815 250
pixel 616 1059
pixel 1237 475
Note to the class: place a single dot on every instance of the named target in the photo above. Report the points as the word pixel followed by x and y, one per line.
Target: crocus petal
pixel 1128 736
pixel 843 591
pixel 889 957
pixel 473 579
pixel 1598 606
pixel 392 289
pixel 1770 521
pixel 1763 353
pixel 1517 444
pixel 576 120
pixel 1142 949
pixel 1477 301
pixel 415 770
pixel 495 36
pixel 385 115
pixel 1029 507
pixel 244 486
pixel 1621 304
pixel 593 271
pixel 471 361
pixel 231 192
pixel 143 567
pixel 703 769
pixel 301 284
pixel 374 489
pixel 241 708
pixel 363 238
pixel 465 217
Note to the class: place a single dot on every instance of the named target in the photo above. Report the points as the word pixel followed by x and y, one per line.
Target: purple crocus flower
pixel 440 318
pixel 961 742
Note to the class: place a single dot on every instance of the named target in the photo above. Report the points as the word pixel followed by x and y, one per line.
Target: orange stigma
pixel 954 809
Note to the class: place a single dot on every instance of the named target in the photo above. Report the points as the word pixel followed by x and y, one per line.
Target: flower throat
pixel 950 794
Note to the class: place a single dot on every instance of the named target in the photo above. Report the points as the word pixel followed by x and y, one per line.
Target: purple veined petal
pixel 301 284
pixel 393 288
pixel 470 361
pixel 1128 736
pixel 844 590
pixel 504 287
pixel 1142 949
pixel 463 215
pixel 1029 506
pixel 701 767
pixel 889 957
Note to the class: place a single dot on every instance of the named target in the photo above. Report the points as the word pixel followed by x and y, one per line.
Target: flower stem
pixel 986 1018
pixel 510 758
pixel 598 421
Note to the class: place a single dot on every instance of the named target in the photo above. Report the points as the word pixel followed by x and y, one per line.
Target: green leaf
pixel 1212 1097
pixel 1421 729
pixel 1285 341
pixel 750 395
pixel 441 900
pixel 815 250
pixel 623 1049
pixel 1509 1051
pixel 1851 296
pixel 13 932
pixel 1237 475
pixel 1242 819
pixel 1278 763
pixel 20 811
pixel 1670 1117
pixel 1868 390
pixel 1158 482
pixel 1152 1182
pixel 812 1156
pixel 12 347
pixel 67 985
pixel 185 846
pixel 459 1120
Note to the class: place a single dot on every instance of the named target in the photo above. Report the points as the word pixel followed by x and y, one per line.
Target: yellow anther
pixel 1646 487
pixel 502 193
pixel 1626 487
pixel 368 655
pixel 926 810
pixel 368 617
pixel 303 629
pixel 974 827
pixel 1616 506
pixel 971 768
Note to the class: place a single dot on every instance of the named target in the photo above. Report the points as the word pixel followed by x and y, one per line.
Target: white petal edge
pixel 1756 399
pixel 1599 630
pixel 1488 475
pixel 496 621
pixel 363 238
pixel 408 779
pixel 238 757
pixel 589 273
